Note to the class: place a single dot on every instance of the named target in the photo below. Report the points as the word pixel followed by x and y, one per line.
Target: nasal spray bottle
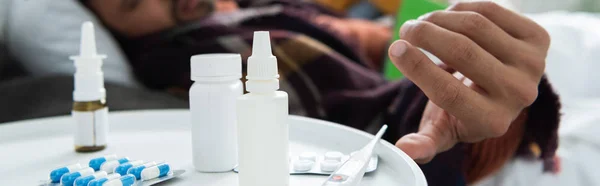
pixel 89 97
pixel 262 118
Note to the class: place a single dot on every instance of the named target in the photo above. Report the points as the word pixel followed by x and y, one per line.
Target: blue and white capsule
pixel 100 181
pixel 97 162
pixel 137 171
pixel 127 180
pixel 56 174
pixel 84 180
pixel 69 179
pixel 157 171
pixel 110 166
pixel 123 168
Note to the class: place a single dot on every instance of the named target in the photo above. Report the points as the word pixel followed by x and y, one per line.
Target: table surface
pixel 30 149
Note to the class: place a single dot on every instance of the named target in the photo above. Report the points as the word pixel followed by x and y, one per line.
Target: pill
pixel 122 169
pixel 329 165
pixel 336 156
pixel 57 173
pixel 110 166
pixel 303 165
pixel 157 171
pixel 100 181
pixel 84 180
pixel 69 178
pixel 311 156
pixel 126 180
pixel 97 162
pixel 137 171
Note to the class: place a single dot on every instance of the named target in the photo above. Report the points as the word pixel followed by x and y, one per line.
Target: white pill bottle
pixel 213 96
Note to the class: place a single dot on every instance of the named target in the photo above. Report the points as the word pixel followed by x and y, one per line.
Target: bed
pixel 572 67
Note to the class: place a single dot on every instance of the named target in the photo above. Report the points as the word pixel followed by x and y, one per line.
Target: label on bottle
pixel 91 128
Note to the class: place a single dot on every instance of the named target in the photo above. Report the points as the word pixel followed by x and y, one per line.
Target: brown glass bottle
pixel 91 125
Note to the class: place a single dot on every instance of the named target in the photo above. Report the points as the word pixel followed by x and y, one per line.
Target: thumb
pixel 419 147
pixel 434 136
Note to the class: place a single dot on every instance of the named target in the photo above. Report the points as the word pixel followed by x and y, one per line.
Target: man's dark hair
pixel 85 3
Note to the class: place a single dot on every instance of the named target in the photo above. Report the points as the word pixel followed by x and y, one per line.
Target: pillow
pixel 572 61
pixel 42 34
pixel 540 6
pixel 3 19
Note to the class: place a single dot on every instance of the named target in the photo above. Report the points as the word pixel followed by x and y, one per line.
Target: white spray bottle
pixel 262 118
pixel 89 97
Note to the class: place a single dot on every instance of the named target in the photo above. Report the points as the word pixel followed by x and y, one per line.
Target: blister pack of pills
pixel 325 164
pixel 111 170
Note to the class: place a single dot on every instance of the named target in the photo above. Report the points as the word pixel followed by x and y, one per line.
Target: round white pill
pixel 330 165
pixel 303 165
pixel 334 155
pixel 310 156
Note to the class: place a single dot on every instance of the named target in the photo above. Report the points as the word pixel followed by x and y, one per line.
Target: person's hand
pixel 502 56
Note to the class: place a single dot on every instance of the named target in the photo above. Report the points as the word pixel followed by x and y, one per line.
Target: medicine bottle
pixel 263 132
pixel 213 96
pixel 90 111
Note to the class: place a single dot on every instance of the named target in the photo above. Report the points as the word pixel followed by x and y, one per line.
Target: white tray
pixel 30 149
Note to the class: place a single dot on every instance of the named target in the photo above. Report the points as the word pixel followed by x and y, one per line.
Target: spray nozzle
pixel 261 46
pixel 87 47
pixel 89 79
pixel 88 40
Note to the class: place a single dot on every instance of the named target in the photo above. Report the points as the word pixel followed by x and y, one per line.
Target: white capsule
pixel 123 168
pixel 100 181
pixel 56 174
pixel 113 176
pixel 69 179
pixel 157 171
pixel 84 180
pixel 97 162
pixel 137 171
pixel 126 180
pixel 110 166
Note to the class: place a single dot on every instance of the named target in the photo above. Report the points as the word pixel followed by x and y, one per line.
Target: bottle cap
pixel 216 66
pixel 89 79
pixel 262 65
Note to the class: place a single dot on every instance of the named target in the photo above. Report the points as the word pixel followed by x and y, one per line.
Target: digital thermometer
pixel 351 172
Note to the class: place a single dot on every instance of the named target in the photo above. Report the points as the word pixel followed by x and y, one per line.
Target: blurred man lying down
pixel 488 103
